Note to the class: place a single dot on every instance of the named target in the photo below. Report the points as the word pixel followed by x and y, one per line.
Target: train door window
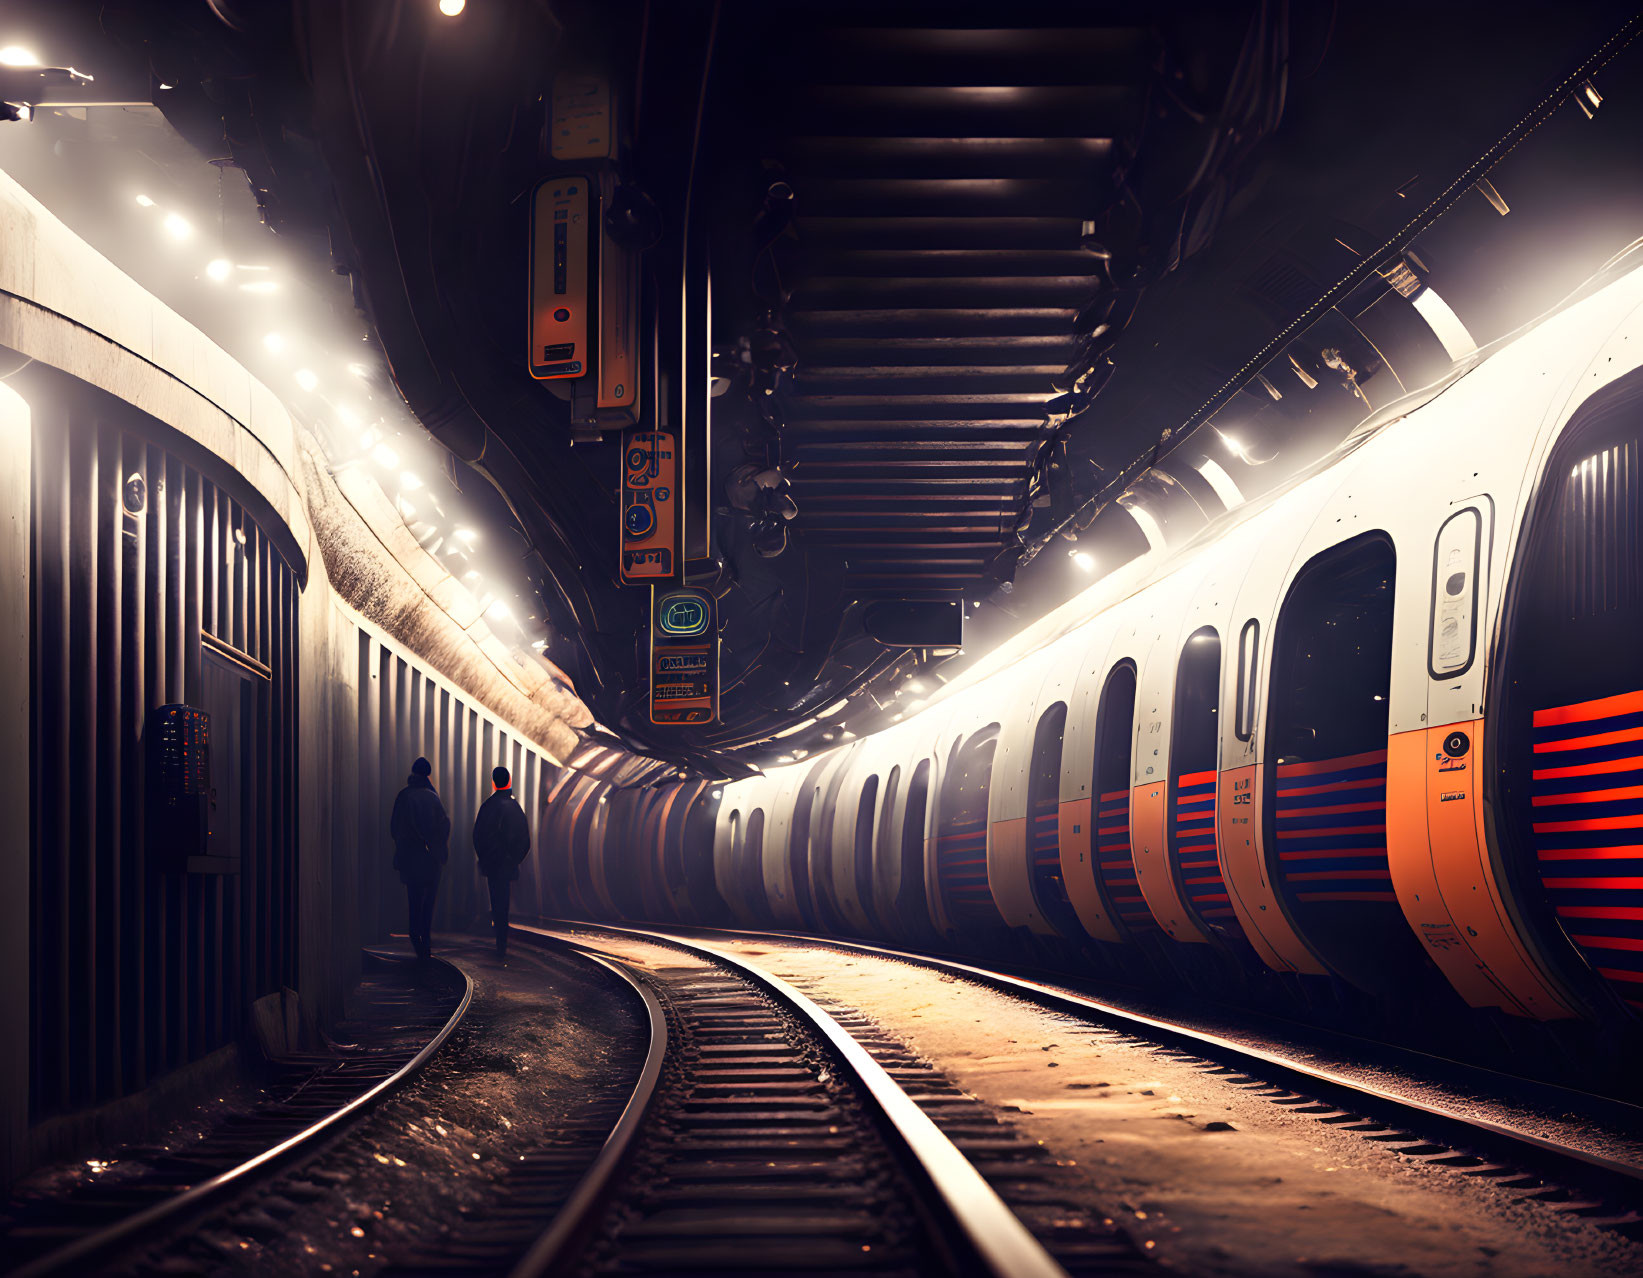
pixel 1044 822
pixel 961 840
pixel 861 853
pixel 1194 752
pixel 798 854
pixel 885 850
pixel 1114 742
pixel 1457 564
pixel 823 886
pixel 750 866
pixel 912 902
pixel 1566 723
pixel 1249 651
pixel 1325 816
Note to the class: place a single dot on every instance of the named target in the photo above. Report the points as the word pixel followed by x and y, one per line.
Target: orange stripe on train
pixel 1585 711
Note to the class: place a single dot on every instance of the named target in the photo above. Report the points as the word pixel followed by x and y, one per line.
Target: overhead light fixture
pixel 306 378
pixel 1084 560
pixel 499 611
pixel 219 269
pixel 913 685
pixel 452 8
pixel 1589 98
pixel 1446 326
pixel 15 55
pixel 468 535
pixel 1228 491
pixel 784 758
pixel 177 226
pixel 145 201
pixel 385 456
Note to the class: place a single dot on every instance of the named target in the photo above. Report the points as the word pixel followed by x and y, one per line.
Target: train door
pixel 1119 889
pixel 1324 780
pixel 1439 798
pixel 912 900
pixel 1566 726
pixel 1193 783
pixel 1043 841
pixel 961 837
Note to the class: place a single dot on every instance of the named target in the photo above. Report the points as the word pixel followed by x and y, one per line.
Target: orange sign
pixel 561 304
pixel 650 506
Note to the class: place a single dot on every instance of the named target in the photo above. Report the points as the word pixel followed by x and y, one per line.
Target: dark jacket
pixel 502 836
pixel 421 831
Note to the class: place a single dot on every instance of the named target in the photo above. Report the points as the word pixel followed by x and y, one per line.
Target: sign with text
pixel 684 656
pixel 650 506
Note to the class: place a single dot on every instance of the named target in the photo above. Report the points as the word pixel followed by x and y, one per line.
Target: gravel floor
pixel 1218 1181
pixel 543 1034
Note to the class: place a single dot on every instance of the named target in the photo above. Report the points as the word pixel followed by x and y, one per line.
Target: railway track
pixel 1606 1189
pixel 770 1139
pixel 100 1223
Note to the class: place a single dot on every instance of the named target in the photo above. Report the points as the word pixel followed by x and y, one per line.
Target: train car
pixel 1379 728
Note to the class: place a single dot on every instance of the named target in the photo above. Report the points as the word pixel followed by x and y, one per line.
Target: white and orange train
pixel 1384 724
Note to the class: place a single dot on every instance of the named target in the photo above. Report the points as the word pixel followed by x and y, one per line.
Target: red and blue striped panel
pixel 1330 816
pixel 1197 863
pixel 1587 792
pixel 961 868
pixel 1115 861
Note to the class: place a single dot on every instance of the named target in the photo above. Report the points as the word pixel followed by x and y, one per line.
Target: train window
pixel 961 841
pixel 1563 727
pixel 1457 563
pixel 912 905
pixel 1249 649
pixel 1114 741
pixel 861 858
pixel 885 864
pixel 1325 815
pixel 1194 752
pixel 798 854
pixel 750 866
pixel 1043 822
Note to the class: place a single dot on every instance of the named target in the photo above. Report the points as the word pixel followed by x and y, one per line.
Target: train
pixel 1371 741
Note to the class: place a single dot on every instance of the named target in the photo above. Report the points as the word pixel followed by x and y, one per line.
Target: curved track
pixel 1472 1142
pixel 84 1253
pixel 748 1011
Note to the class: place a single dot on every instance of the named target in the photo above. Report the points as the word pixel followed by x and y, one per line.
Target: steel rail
pixel 189 1200
pixel 550 1252
pixel 991 1230
pixel 1266 1063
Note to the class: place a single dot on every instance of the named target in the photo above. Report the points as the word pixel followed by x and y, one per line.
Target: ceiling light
pixel 452 8
pixel 410 481
pixel 1084 560
pixel 468 535
pixel 499 611
pixel 177 226
pixel 218 268
pixel 913 685
pixel 385 456
pixel 274 344
pixel 145 201
pixel 14 55
pixel 306 379
pixel 784 758
pixel 718 794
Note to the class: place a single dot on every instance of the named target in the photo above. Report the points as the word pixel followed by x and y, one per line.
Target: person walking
pixel 421 833
pixel 502 839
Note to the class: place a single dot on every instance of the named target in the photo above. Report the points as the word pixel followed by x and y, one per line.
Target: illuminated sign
pixel 682 614
pixel 684 657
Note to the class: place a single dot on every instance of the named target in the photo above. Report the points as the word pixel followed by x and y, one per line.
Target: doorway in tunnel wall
pixel 164 900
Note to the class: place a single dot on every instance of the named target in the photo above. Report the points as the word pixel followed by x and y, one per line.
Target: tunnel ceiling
pixel 968 264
